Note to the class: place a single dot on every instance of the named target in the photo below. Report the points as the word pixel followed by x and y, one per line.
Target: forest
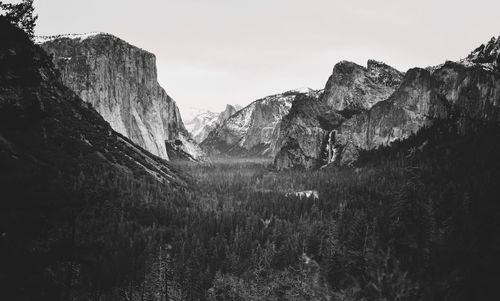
pixel 414 221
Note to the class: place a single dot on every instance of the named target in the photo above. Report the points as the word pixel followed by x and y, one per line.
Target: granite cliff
pixel 69 183
pixel 350 90
pixel 362 110
pixel 45 125
pixel 469 89
pixel 253 130
pixel 353 88
pixel 120 81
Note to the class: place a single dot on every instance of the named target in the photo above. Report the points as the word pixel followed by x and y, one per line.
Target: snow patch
pixel 81 36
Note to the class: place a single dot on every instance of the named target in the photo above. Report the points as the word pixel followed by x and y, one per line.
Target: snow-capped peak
pixel 81 36
pixel 486 56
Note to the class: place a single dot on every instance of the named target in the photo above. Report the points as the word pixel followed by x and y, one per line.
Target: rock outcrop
pixel 120 81
pixel 69 183
pixel 48 132
pixel 302 134
pixel 487 56
pixel 469 89
pixel 350 90
pixel 254 130
pixel 202 124
pixel 354 88
pixel 376 107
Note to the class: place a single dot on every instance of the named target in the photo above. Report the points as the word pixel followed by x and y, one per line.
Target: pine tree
pixel 21 14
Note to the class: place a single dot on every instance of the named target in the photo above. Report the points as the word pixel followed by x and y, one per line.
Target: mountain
pixel 350 90
pixel 71 186
pixel 487 56
pixel 202 124
pixel 469 89
pixel 354 88
pixel 120 81
pixel 253 130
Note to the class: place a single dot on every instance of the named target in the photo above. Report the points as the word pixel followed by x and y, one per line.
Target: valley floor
pixel 260 240
pixel 393 228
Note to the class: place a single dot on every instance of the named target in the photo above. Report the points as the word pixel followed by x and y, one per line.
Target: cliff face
pixel 47 126
pixel 469 89
pixel 363 108
pixel 487 56
pixel 201 125
pixel 65 170
pixel 120 81
pixel 302 134
pixel 350 90
pixel 354 88
pixel 254 129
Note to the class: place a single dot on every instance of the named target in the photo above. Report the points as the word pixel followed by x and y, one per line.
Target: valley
pixel 381 186
pixel 253 239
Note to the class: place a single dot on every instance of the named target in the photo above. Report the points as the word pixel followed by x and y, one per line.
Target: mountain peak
pixel 487 55
pixel 230 108
pixel 355 87
pixel 80 36
pixel 384 73
pixel 372 64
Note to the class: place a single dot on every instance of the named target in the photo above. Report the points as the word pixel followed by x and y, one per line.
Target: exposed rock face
pixel 407 110
pixel 254 129
pixel 228 112
pixel 487 56
pixel 61 161
pixel 120 81
pixel 470 89
pixel 47 131
pixel 377 108
pixel 302 135
pixel 201 125
pixel 355 88
pixel 351 89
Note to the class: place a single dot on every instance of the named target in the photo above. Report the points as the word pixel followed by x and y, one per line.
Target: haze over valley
pixel 278 150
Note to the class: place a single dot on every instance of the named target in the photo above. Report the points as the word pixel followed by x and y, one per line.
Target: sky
pixel 216 52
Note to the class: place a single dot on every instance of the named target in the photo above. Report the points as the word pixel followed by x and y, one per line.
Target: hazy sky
pixel 213 52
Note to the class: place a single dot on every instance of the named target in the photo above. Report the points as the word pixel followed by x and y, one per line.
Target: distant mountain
pixel 253 130
pixel 351 89
pixel 202 124
pixel 487 56
pixel 120 81
pixel 362 119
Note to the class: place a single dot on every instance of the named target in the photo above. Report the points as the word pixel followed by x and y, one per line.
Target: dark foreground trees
pixel 418 221
pixel 21 14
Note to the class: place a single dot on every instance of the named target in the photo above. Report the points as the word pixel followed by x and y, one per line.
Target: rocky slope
pixel 47 126
pixel 71 187
pixel 120 81
pixel 469 89
pixel 254 129
pixel 350 90
pixel 487 56
pixel 202 124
